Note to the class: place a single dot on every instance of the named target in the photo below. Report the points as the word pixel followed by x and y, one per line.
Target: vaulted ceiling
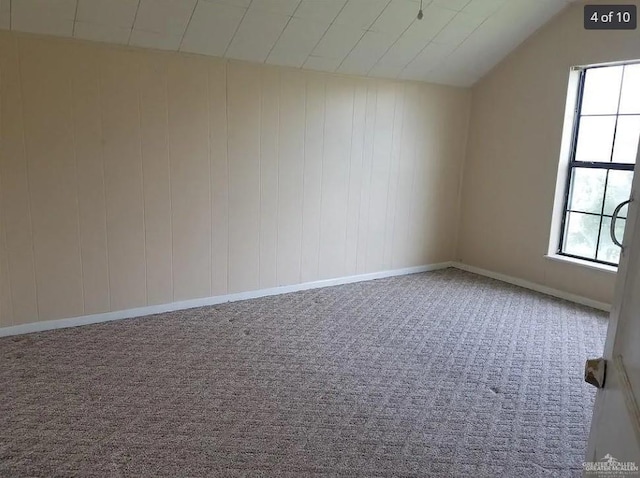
pixel 456 42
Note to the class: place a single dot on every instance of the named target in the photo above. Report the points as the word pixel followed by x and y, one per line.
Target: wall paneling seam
pixel 397 192
pixel 304 165
pixel 226 118
pixel 346 229
pixel 3 223
pixel 209 159
pixel 26 161
pixel 144 206
pixel 98 72
pixel 75 164
pixel 166 92
pixel 373 150
pixel 324 138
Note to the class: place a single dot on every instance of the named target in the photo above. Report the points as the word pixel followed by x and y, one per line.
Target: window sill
pixel 583 263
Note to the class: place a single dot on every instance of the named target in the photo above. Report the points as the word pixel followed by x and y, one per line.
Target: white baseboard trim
pixel 205 301
pixel 533 286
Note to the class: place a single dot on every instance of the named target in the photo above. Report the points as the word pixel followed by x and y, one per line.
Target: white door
pixel 614 441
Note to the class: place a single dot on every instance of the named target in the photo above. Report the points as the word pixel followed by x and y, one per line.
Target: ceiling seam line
pixel 482 23
pixel 364 32
pixel 397 39
pixel 464 41
pixel 224 55
pixel 469 35
pixel 429 43
pixel 324 34
pixel 75 20
pixel 282 32
pixel 184 33
pixel 390 47
pixel 133 23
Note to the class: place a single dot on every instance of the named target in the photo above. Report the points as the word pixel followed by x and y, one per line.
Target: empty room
pixel 368 238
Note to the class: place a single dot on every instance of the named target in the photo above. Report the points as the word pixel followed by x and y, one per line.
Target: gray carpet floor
pixel 442 374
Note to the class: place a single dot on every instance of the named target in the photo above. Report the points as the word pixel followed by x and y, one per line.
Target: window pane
pixel 595 138
pixel 630 100
pixel 587 190
pixel 601 90
pixel 618 190
pixel 607 132
pixel 581 235
pixel 626 142
pixel 607 250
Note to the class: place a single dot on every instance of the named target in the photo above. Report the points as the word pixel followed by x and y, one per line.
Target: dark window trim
pixel 572 161
pixel 595 214
pixel 599 165
pixel 585 164
pixel 605 263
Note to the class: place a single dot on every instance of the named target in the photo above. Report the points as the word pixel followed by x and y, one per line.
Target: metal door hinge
pixel 595 371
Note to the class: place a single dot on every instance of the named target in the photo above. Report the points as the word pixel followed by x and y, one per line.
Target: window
pixel 603 155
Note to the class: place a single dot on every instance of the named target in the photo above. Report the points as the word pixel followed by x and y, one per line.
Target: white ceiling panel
pixel 102 33
pixel 483 8
pixel 398 15
pixel 496 37
pixel 338 41
pixel 366 53
pixel 49 17
pixel 320 63
pixel 452 4
pixel 281 57
pixel 428 59
pixel 539 12
pixel 320 10
pixel 301 35
pixel 256 35
pixel 386 70
pixel 488 40
pixel 234 3
pixel 211 28
pixel 451 73
pixel 117 13
pixel 403 51
pixel 5 14
pixel 168 17
pixel 435 19
pixel 458 29
pixel 457 41
pixel 360 14
pixel 434 53
pixel 296 42
pixel 285 7
pixel 160 41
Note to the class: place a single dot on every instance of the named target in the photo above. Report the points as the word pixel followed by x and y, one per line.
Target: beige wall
pixel 131 178
pixel 513 155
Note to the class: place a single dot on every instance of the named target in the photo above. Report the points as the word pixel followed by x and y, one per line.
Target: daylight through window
pixel 603 157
